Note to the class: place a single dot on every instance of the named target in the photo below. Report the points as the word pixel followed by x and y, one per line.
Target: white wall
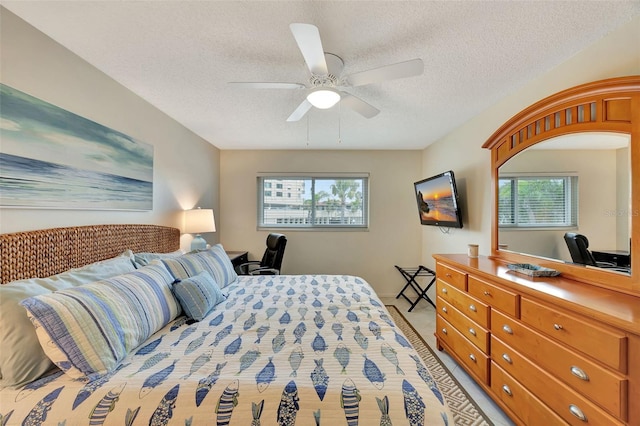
pixel 185 165
pixel 394 232
pixel 615 55
pixel 623 213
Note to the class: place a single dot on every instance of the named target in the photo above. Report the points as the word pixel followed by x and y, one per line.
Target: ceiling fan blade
pixel 358 105
pixel 388 72
pixel 308 38
pixel 302 109
pixel 267 85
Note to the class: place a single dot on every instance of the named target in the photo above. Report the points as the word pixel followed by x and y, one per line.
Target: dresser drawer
pixel 469 306
pixel 452 276
pixel 476 334
pixel 601 386
pixel 473 358
pixel 574 408
pixel 499 298
pixel 607 346
pixel 530 410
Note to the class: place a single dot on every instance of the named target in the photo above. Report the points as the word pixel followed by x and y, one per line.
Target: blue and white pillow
pixel 144 258
pixel 88 330
pixel 198 295
pixel 215 261
pixel 26 361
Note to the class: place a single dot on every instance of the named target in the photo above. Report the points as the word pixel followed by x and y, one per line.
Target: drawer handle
pixel 444 309
pixel 579 373
pixel 486 293
pixel 576 411
pixel 506 390
pixel 507 329
pixel 472 357
pixel 448 275
pixel 507 358
pixel 444 290
pixel 473 308
pixel 444 330
pixel 472 332
pixel 557 326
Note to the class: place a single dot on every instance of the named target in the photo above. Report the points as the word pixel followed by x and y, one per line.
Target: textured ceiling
pixel 179 56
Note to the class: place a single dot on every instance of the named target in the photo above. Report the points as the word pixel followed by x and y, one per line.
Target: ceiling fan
pixel 326 84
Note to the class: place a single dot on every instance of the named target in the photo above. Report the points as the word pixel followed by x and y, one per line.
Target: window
pixel 538 201
pixel 314 202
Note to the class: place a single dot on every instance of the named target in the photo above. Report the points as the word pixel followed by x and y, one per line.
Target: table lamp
pixel 198 221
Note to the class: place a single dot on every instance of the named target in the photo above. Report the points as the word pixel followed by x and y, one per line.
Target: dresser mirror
pixel 577 183
pixel 565 165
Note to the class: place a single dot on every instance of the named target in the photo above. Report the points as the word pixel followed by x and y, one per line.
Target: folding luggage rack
pixel 410 274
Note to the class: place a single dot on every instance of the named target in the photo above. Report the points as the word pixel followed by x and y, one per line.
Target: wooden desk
pixel 617 257
pixel 238 258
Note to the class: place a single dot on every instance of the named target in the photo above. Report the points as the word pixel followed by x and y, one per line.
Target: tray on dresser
pixel 533 270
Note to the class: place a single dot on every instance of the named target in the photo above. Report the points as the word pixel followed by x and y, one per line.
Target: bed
pixel 274 350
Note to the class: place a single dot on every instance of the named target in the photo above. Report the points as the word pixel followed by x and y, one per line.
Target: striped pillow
pixel 215 261
pixel 88 330
pixel 145 258
pixel 198 295
pixel 26 361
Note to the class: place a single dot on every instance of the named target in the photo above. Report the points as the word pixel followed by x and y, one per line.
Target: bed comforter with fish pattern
pixel 281 350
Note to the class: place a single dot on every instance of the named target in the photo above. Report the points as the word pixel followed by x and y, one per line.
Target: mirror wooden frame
pixel 611 105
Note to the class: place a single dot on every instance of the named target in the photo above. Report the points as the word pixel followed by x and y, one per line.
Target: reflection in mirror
pixel 572 184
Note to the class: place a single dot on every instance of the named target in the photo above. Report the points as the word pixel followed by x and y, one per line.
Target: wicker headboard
pixel 47 252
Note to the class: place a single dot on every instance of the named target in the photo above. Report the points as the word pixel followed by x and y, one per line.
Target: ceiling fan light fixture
pixel 323 98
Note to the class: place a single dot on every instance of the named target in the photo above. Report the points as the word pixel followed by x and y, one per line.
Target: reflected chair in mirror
pixel 271 262
pixel 578 246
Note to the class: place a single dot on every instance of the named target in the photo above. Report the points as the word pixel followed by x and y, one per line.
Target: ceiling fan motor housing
pixel 328 80
pixel 335 65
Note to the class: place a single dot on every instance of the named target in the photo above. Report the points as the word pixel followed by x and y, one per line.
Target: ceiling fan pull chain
pixel 339 122
pixel 307 130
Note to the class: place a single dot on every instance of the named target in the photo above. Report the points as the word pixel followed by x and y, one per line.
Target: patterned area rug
pixel 465 409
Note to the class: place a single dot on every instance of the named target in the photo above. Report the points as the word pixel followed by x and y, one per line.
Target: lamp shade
pixel 323 98
pixel 198 221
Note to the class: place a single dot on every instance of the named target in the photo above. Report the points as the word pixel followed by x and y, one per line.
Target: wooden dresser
pixel 549 351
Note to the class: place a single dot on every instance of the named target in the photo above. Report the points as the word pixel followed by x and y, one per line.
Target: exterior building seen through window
pixel 313 202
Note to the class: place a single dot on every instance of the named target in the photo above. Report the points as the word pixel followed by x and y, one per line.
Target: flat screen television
pixel 437 199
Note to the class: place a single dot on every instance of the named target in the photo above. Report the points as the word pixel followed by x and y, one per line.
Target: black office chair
pixel 578 246
pixel 271 262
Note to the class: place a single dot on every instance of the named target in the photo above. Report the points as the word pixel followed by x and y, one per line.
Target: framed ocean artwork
pixel 52 158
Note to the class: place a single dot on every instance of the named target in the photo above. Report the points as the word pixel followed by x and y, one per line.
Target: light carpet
pixel 464 409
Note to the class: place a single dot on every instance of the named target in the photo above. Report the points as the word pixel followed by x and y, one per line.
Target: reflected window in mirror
pixel 577 183
pixel 537 201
